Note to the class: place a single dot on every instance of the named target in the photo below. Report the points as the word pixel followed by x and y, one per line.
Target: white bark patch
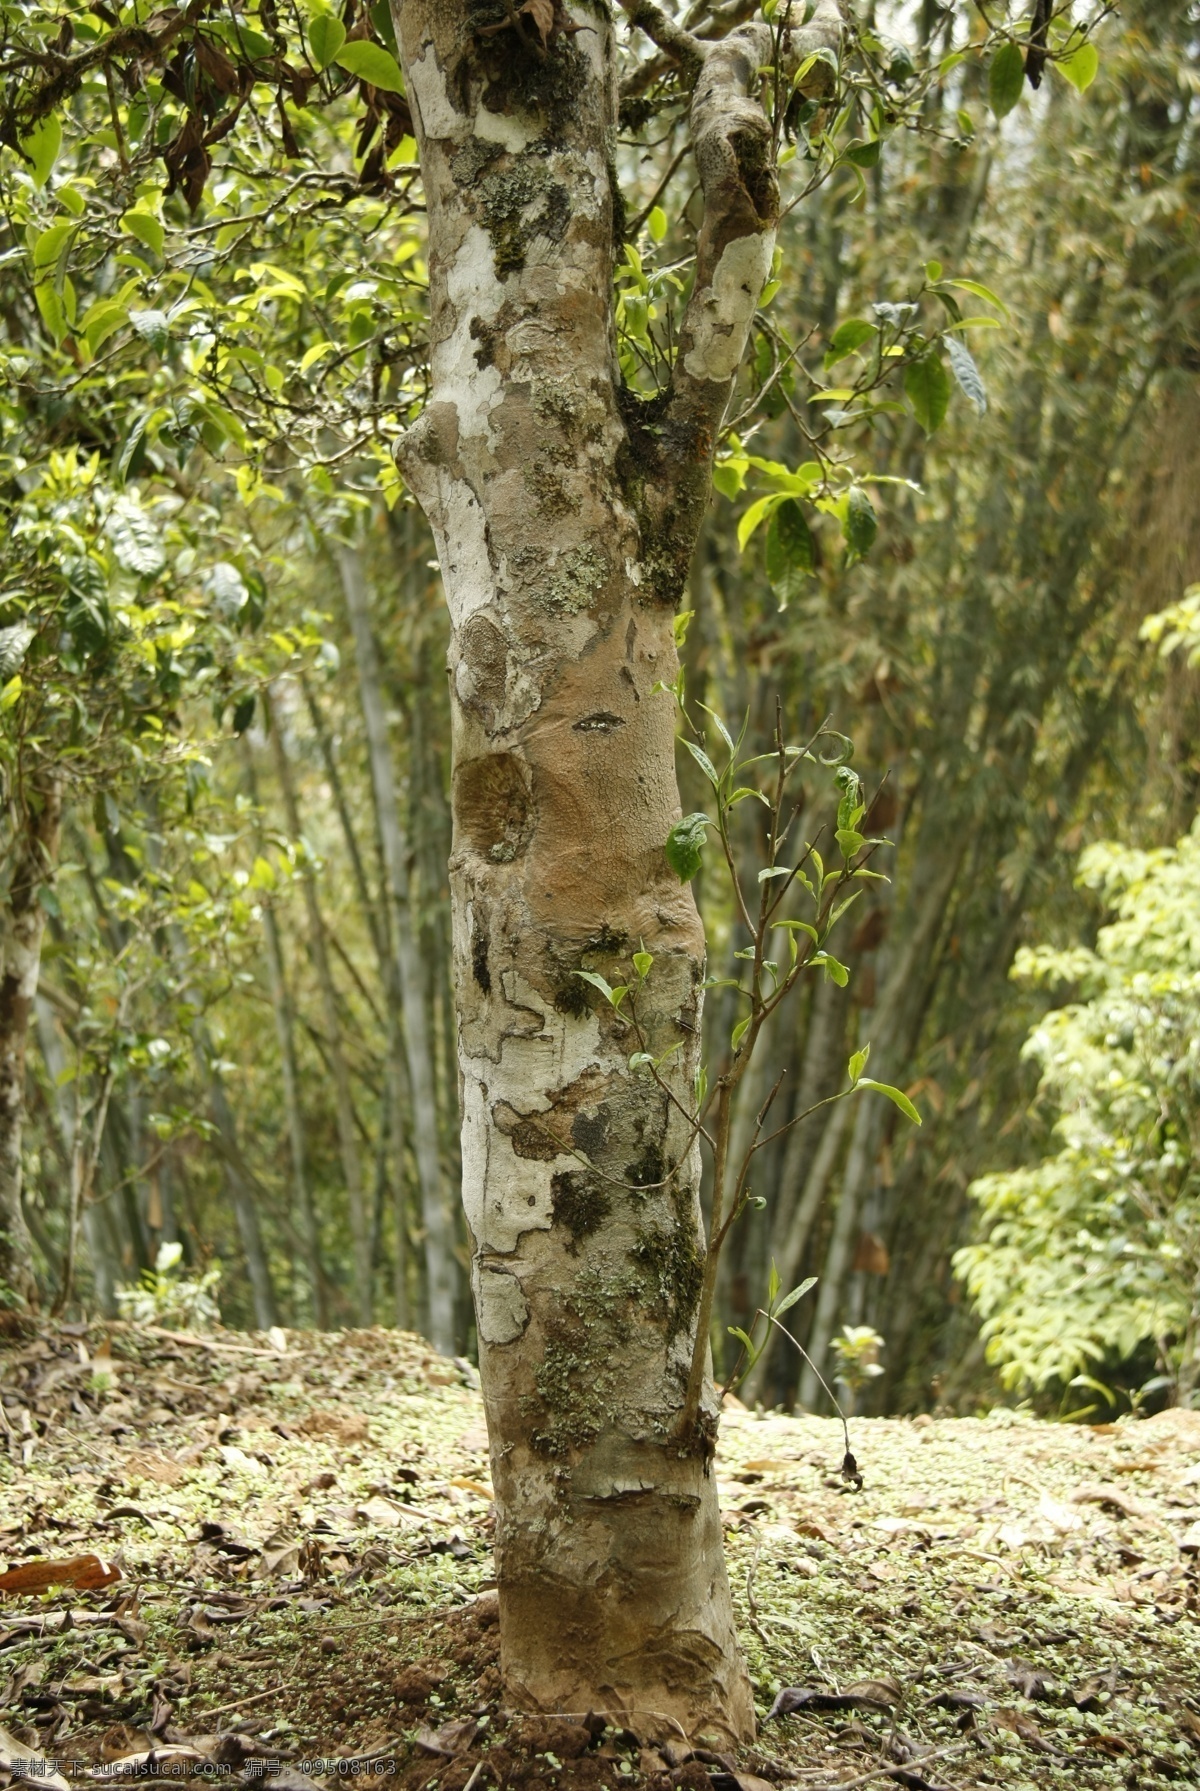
pixel 427 86
pixel 463 556
pixel 722 317
pixel 500 1303
pixel 505 1195
pixel 513 134
pixel 475 293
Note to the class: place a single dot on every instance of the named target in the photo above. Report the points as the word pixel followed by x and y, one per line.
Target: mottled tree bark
pixel 35 855
pixel 565 511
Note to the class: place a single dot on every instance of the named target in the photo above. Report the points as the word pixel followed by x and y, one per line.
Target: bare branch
pixel 670 37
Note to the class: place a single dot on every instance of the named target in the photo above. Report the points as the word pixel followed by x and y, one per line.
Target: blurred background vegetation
pixel 226 731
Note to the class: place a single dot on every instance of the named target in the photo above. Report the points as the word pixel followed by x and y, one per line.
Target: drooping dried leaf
pixel 542 14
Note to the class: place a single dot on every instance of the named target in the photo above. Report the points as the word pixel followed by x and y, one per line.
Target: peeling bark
pixel 565 511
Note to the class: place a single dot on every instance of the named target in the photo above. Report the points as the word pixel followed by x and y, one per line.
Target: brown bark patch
pixel 492 805
pixel 579 1201
pixel 486 659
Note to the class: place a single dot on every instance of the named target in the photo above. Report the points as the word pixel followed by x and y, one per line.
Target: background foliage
pixel 957 479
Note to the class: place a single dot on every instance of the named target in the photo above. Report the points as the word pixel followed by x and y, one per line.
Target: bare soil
pixel 300 1528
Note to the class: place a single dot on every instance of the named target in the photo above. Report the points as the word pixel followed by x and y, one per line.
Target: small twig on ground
pixel 891 1769
pixel 751 1603
pixel 241 1703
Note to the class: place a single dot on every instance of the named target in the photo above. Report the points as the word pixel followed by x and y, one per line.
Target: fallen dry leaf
pixel 85 1573
pixel 23 1763
pixel 343 1427
pixel 452 1738
pixel 1117 1500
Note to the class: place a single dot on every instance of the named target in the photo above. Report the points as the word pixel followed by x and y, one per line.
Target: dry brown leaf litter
pixel 302 1528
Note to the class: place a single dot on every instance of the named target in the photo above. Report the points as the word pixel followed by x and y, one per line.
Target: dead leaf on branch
pixel 550 18
pixel 542 14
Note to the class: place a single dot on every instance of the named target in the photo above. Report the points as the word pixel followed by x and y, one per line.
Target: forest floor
pixel 301 1528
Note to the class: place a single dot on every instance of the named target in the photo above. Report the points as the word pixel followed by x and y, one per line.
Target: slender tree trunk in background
pixel 360 1224
pixel 285 1027
pixel 35 854
pixel 565 515
pixel 893 1039
pixel 245 1206
pixel 241 1192
pixel 398 1099
pixel 439 1252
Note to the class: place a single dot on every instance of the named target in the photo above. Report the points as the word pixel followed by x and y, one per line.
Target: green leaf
pixel 847 337
pixel 598 982
pixel 642 960
pixel 49 244
pixel 146 228
pixel 927 387
pixel 42 146
pixel 1006 77
pixel 102 320
pixel 750 519
pixel 850 841
pixel 371 63
pixel 979 291
pixel 684 844
pixel 656 223
pixel 773 1284
pixel 797 1293
pixel 967 373
pixel 135 539
pixel 726 736
pixel 738 1033
pixel 326 35
pixel 11 692
pixel 860 528
pixel 152 326
pixel 705 763
pixel 863 155
pixel 897 1097
pixel 835 971
pixel 791 552
pixel 1080 66
pixel 858 1063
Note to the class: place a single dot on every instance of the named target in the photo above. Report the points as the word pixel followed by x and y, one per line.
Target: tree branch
pixel 734 143
pixel 670 37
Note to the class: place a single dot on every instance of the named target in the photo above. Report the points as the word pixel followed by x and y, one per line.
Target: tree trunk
pixel 283 1008
pixel 360 1230
pixel 565 511
pixel 241 1193
pixel 410 978
pixel 35 856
